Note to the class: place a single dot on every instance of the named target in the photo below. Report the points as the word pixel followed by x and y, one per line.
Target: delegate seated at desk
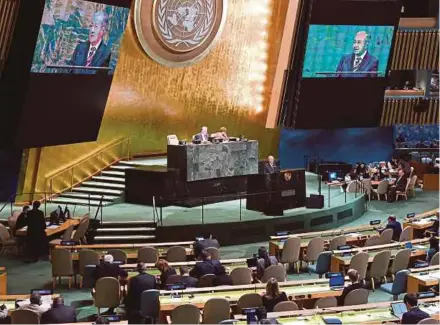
pixel 221 135
pixel 270 167
pixel 203 136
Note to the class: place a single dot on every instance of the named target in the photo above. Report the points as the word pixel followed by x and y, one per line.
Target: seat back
pixel 176 254
pixel 401 260
pixel 372 241
pixel 185 314
pixel 314 248
pixel 386 236
pixel 366 185
pixel 4 233
pixel 323 262
pixel 379 267
pixel 291 249
pixel 175 278
pixel 359 262
pixel 82 228
pixel 337 241
pixel 206 280
pixel 148 255
pixel 411 171
pixel 108 293
pixel 172 140
pixel 326 302
pixel 428 321
pixel 215 253
pixel 412 182
pixel 87 257
pixel 216 310
pixel 382 188
pixel 67 235
pixel 61 261
pixel 241 275
pixel 435 259
pixel 118 255
pixel 12 219
pixel 356 297
pixel 285 306
pixel 354 187
pixel 399 284
pixel 150 304
pixel 407 234
pixel 249 300
pixel 24 317
pixel 277 272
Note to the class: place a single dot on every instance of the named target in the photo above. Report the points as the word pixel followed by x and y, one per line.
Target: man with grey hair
pixel 108 269
pixel 94 52
pixel 360 63
pixel 203 136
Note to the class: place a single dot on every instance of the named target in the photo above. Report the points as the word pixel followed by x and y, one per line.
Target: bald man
pixel 360 63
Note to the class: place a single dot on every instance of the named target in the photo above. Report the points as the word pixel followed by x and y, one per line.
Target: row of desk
pixel 52 230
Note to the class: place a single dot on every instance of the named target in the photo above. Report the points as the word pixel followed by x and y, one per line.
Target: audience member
pixel 273 295
pixel 395 226
pixel 433 247
pixel 362 171
pixel 36 239
pixel 165 271
pixel 35 304
pixel 4 315
pixel 59 313
pixel 108 269
pixel 414 314
pixel 222 278
pixel 102 320
pixel 264 260
pixel 200 245
pixel 353 275
pixel 188 280
pixel 434 228
pixel 394 163
pixel 206 266
pixel 400 186
pixel 21 219
pixel 138 284
pixel 404 165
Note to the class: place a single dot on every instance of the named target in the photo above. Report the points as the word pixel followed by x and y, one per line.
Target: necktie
pixel 357 61
pixel 91 54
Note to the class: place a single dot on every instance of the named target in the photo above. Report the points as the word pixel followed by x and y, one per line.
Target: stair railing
pixel 72 175
pixel 11 201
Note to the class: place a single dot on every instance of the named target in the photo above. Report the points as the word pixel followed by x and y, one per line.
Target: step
pixel 125 237
pixel 80 195
pixel 109 179
pixel 96 190
pixel 79 201
pixel 122 167
pixel 103 185
pixel 137 229
pixel 113 173
pixel 130 222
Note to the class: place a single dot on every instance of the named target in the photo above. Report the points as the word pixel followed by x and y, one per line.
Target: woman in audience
pixel 362 171
pixel 273 295
pixel 353 275
pixel 264 261
pixel 433 247
pixel 165 271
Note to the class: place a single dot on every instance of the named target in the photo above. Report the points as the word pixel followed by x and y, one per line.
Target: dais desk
pixel 53 229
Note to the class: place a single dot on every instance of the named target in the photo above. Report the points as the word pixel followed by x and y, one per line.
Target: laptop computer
pixel 336 282
pixel 42 292
pixel 398 309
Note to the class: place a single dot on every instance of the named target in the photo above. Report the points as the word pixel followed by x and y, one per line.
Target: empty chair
pixel 185 314
pixel 428 321
pixel 407 234
pixel 291 249
pixel 314 248
pixel 214 252
pixel 412 185
pixel 150 305
pixel 398 286
pixel 435 259
pixel 107 293
pixel 359 262
pixel 67 235
pixel 326 302
pixel 241 275
pixel 379 267
pixel 400 261
pixel 356 297
pixel 285 306
pixel 7 242
pixel 86 257
pixel 249 300
pixel 382 189
pixel 174 278
pixel 80 233
pixel 277 272
pixel 24 317
pixel 118 255
pixel 322 265
pixel 12 220
pixel 354 187
pixel 372 241
pixel 206 280
pixel 62 265
pixel 148 255
pixel 337 241
pixel 386 236
pixel 216 310
pixel 176 254
pixel 367 187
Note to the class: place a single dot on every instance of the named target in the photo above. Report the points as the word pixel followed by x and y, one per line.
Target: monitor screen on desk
pixel 410 215
pixel 336 281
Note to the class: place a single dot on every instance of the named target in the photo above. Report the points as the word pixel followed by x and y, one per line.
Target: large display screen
pixel 348 51
pixel 79 37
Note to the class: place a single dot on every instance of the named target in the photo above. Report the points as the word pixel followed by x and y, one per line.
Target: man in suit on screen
pixel 94 52
pixel 360 60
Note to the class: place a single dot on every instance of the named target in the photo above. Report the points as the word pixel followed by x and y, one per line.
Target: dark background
pixel 47 109
pixel 314 103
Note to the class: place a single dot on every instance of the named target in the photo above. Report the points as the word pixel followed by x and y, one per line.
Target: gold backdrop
pixel 147 101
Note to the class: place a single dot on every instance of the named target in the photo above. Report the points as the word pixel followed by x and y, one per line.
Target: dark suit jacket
pixel 200 245
pixel 205 267
pixel 36 224
pixel 108 270
pixel 401 183
pixel 164 276
pixel 189 281
pixel 268 169
pixel 397 229
pixel 138 284
pixel 347 289
pixel 20 223
pixel 200 137
pixel 58 315
pixel 369 63
pixel 101 58
pixel 413 316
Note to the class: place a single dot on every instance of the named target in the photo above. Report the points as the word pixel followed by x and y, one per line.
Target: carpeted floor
pixel 24 277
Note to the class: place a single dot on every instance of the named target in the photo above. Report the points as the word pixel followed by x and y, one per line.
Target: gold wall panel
pixel 8 16
pixel 400 111
pixel 148 101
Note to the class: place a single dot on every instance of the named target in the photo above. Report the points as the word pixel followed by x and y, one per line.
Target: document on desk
pixel 353 234
pixel 431 310
pixel 52 227
pixel 435 275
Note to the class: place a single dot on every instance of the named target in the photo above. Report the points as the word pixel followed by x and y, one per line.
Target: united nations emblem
pixel 179 32
pixel 287 176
